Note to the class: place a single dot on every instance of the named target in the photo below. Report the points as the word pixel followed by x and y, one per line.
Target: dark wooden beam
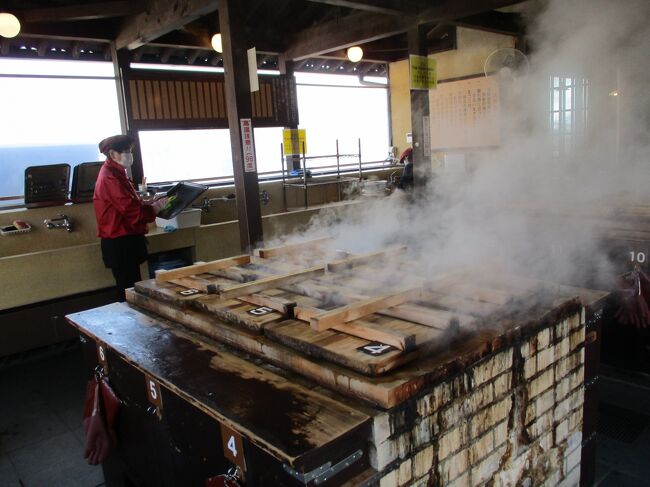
pixel 497 22
pixel 385 7
pixel 360 28
pixel 84 11
pixel 94 30
pixel 351 30
pixel 420 126
pixel 232 16
pixel 161 17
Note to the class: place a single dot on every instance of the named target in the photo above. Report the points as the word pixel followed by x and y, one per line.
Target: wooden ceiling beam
pixel 496 22
pixel 363 27
pixel 351 30
pixel 161 17
pixel 447 10
pixel 85 11
pixel 385 7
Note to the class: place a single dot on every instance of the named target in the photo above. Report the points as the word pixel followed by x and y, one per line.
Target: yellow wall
pixel 468 59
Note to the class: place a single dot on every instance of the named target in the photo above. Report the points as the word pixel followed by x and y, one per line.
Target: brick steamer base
pixel 512 418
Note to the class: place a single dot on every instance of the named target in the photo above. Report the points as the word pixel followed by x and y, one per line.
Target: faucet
pixel 208 203
pixel 62 221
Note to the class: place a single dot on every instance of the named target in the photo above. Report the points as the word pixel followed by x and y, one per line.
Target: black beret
pixel 116 142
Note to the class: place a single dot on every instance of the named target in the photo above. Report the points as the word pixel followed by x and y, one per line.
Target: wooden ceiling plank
pixel 163 16
pixel 85 11
pixel 363 27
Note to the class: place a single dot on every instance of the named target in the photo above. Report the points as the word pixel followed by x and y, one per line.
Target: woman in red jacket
pixel 121 214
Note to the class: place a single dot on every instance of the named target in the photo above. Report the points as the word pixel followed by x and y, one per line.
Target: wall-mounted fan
pixel 507 63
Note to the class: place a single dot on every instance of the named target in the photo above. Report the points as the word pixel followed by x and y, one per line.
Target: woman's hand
pixel 159 204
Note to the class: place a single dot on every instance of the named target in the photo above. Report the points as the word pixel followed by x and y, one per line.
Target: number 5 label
pixel 153 391
pixel 233 447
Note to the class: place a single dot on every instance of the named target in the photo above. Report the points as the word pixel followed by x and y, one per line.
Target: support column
pixel 420 125
pixel 121 66
pixel 232 16
pixel 286 67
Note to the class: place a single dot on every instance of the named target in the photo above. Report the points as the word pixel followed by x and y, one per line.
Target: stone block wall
pixel 513 418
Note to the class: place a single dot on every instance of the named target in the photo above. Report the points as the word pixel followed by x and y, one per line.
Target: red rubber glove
pixel 98 442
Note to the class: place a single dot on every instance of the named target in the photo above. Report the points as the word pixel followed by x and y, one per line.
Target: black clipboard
pixel 180 196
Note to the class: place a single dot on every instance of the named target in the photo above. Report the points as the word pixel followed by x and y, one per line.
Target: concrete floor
pixel 624 457
pixel 41 434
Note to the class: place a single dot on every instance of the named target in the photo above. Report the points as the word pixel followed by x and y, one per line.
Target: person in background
pixel 406 181
pixel 122 216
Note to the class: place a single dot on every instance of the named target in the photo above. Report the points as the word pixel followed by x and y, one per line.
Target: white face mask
pixel 126 159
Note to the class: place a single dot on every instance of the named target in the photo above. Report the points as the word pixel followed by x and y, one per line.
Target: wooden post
pixel 232 15
pixel 292 161
pixel 420 126
pixel 121 59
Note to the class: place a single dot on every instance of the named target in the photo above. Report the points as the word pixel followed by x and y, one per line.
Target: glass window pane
pixel 52 121
pixel 556 100
pixel 176 155
pixel 568 121
pixel 556 120
pixel 568 99
pixel 56 68
pixel 267 149
pixel 346 114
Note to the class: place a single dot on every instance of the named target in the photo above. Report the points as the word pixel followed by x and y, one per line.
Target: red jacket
pixel 118 208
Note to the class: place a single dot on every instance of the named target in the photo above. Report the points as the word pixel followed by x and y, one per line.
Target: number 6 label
pixel 101 356
pixel 233 448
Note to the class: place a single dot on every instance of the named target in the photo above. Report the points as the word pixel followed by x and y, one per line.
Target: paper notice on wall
pixel 422 71
pixel 294 141
pixel 426 136
pixel 248 145
pixel 465 114
pixel 252 69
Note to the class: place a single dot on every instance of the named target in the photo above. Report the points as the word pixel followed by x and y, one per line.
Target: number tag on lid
pixel 101 356
pixel 376 348
pixel 233 446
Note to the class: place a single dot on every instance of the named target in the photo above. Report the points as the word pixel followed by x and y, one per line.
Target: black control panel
pixel 47 184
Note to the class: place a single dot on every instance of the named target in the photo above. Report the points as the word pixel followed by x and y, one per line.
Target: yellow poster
pixel 423 73
pixel 295 141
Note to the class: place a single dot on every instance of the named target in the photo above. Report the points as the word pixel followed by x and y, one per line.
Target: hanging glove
pixel 98 442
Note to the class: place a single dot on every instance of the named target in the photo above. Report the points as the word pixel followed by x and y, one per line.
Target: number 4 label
pixel 233 448
pixel 376 348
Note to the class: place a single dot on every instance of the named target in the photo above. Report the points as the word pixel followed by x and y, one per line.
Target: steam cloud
pixel 536 210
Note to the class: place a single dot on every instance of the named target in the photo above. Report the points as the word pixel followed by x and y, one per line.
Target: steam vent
pixel 324 243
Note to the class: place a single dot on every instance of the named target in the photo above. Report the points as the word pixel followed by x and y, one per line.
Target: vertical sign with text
pixel 248 145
